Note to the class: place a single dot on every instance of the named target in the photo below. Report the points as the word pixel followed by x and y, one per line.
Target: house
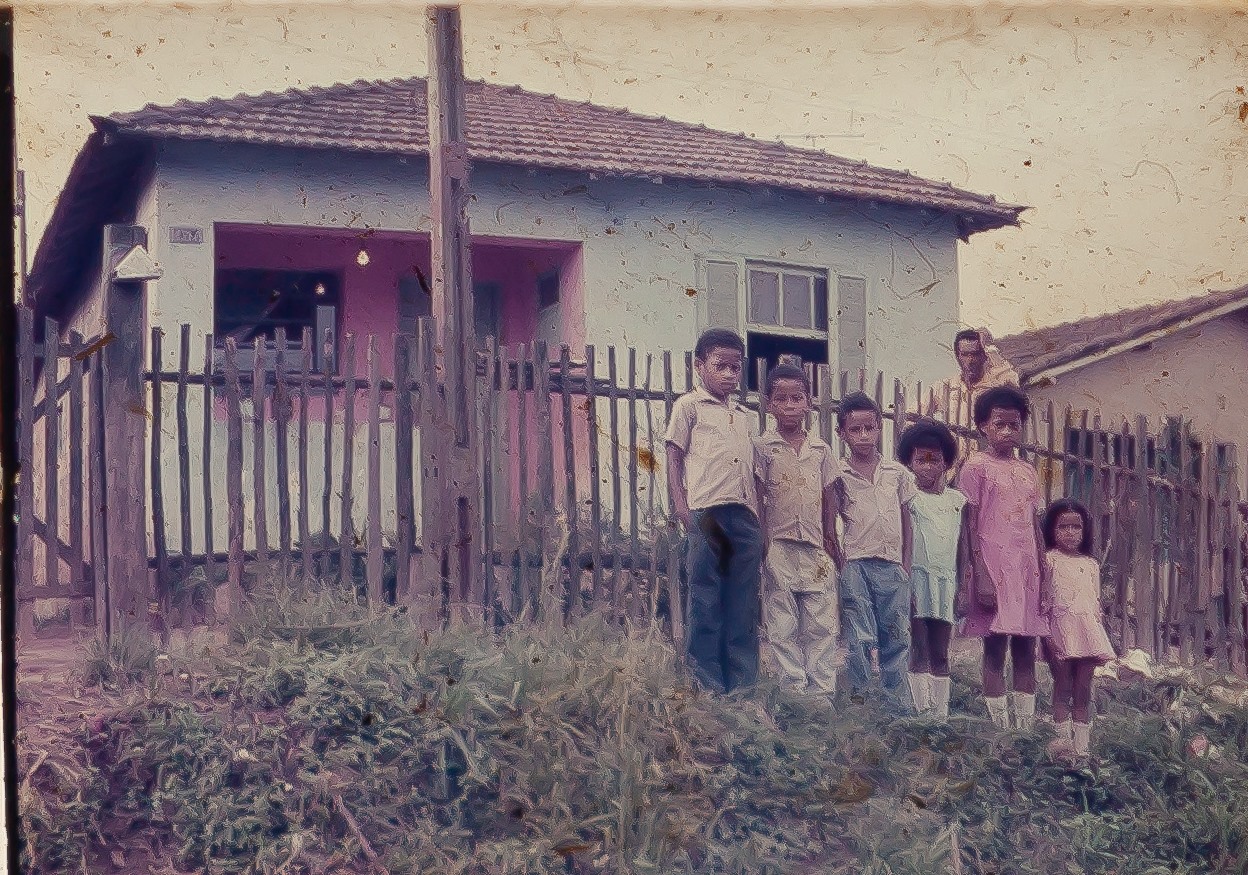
pixel 1184 359
pixel 309 210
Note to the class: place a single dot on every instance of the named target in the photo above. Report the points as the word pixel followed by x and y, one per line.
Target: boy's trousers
pixel 875 605
pixel 800 613
pixel 725 560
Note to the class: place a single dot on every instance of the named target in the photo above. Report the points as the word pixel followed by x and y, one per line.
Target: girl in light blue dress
pixel 928 449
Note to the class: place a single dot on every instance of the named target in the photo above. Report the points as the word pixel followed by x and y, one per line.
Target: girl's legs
pixel 1023 655
pixel 1083 670
pixel 1023 652
pixel 920 660
pixel 938 635
pixel 994 679
pixel 1063 686
pixel 919 675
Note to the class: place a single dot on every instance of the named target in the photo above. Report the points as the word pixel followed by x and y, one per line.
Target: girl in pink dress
pixel 1077 643
pixel 1003 521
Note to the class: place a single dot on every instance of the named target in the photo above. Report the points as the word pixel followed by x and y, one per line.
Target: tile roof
pixel 509 125
pixel 1032 352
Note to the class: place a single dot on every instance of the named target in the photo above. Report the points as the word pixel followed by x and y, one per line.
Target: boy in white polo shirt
pixel 871 492
pixel 710 474
pixel 796 472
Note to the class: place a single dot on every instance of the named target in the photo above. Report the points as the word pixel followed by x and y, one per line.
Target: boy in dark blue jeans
pixel 710 473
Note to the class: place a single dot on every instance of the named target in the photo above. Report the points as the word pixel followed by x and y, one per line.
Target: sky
pixel 1124 128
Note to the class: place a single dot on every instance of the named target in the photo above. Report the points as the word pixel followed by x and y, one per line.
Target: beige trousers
pixel 800 614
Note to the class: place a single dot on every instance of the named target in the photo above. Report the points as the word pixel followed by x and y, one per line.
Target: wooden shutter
pixel 851 322
pixel 719 306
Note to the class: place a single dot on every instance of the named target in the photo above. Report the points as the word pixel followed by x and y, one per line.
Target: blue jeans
pixel 875 605
pixel 725 570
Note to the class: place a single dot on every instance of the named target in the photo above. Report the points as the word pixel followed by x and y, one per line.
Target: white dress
pixel 1075 613
pixel 937 522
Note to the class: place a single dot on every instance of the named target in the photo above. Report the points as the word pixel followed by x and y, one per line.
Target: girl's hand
pixel 985 592
pixel 960 608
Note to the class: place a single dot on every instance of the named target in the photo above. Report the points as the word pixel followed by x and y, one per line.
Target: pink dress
pixel 1007 494
pixel 1075 615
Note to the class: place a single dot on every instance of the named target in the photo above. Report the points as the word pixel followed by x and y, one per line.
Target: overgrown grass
pixel 328 736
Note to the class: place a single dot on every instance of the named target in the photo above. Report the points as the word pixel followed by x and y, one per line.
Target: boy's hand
pixel 833 549
pixel 685 518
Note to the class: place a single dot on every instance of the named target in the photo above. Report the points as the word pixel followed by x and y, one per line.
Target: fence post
pixel 125 425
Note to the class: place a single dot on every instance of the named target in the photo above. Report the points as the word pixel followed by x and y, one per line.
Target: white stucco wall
pixel 641 244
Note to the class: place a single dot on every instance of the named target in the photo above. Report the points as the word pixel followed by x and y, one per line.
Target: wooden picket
pixel 574 452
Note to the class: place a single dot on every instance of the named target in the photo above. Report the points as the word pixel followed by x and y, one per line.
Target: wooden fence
pixel 256 466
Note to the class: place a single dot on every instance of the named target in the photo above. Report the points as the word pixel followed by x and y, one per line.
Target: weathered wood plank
pixel 635 603
pixel 327 487
pixel 1238 632
pixel 26 462
pixel 305 496
pixel 572 602
pixel 1187 532
pixel 546 462
pixel 487 396
pixel 234 473
pixel 281 435
pixel 373 566
pixel 185 545
pixel 207 478
pixel 528 510
pixel 98 531
pixel 403 481
pixel 159 522
pixel 617 476
pixel 1052 466
pixel 595 472
pixel 1142 552
pixel 76 441
pixel 260 492
pixel 1204 565
pixel 346 543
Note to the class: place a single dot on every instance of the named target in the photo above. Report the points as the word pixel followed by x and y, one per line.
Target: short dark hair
pixel 966 334
pixel 717 338
pixel 785 372
pixel 927 434
pixel 852 402
pixel 1056 509
pixel 1004 398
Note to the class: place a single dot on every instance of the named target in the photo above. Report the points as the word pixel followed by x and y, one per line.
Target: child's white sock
pixel 940 696
pixel 1064 732
pixel 920 691
pixel 1024 709
pixel 1082 736
pixel 998 710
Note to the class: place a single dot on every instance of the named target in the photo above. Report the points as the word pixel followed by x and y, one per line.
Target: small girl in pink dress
pixel 1077 643
pixel 1003 524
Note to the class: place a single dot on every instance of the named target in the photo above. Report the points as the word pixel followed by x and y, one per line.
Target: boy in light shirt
pixel 871 493
pixel 796 472
pixel 710 473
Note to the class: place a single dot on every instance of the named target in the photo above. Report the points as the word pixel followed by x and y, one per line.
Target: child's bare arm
pixel 760 493
pixel 1045 581
pixel 676 485
pixel 964 570
pixel 982 588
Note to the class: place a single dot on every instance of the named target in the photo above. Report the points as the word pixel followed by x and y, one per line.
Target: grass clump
pixel 331 736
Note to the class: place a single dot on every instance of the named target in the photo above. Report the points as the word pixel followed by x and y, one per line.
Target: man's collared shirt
pixel 793 483
pixel 717 438
pixel 872 508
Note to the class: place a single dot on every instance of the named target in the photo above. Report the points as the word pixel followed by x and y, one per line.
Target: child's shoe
pixel 940 688
pixel 998 711
pixel 1024 710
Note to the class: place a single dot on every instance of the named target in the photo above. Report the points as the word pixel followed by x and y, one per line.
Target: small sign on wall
pixel 186 235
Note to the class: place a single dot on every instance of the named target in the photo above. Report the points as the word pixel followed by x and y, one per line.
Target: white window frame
pixel 780 269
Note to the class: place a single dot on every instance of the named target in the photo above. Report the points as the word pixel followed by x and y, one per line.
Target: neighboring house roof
pixel 1062 348
pixel 504 125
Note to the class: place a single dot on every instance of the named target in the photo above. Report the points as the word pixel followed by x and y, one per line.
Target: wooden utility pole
pixel 451 509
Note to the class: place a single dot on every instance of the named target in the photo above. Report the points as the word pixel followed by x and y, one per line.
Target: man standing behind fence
pixel 710 458
pixel 981 367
